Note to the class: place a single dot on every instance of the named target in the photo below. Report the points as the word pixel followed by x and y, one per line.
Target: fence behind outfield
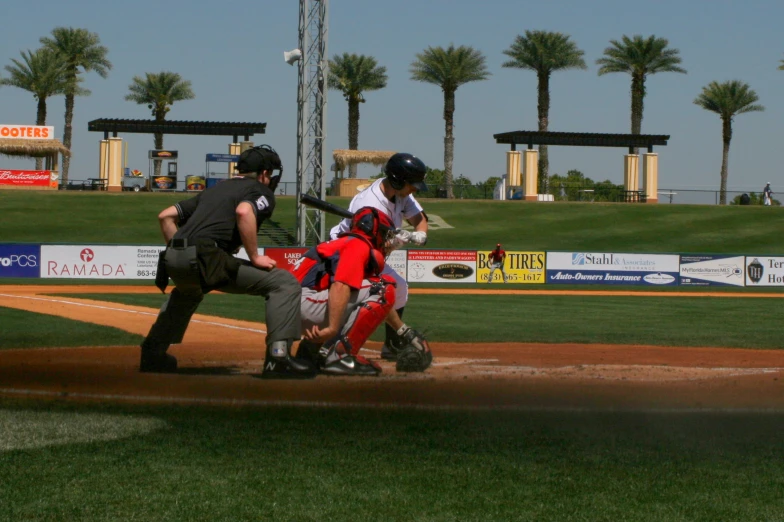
pixel 598 192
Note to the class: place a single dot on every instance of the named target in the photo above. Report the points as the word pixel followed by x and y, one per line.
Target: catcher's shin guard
pixel 339 356
pixel 369 315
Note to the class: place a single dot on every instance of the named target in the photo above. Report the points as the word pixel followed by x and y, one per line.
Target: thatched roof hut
pixel 32 148
pixel 345 157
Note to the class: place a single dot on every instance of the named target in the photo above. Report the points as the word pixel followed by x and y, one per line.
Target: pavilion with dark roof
pixel 524 171
pixel 111 147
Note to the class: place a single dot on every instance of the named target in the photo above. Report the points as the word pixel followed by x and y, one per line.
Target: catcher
pixel 345 297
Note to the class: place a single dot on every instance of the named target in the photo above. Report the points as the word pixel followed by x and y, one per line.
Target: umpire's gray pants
pixel 280 289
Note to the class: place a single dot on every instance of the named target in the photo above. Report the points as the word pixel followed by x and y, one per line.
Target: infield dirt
pixel 220 360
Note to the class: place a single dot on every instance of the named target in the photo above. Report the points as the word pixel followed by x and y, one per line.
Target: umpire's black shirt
pixel 211 214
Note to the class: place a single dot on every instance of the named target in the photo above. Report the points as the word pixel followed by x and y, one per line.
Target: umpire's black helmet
pixel 405 168
pixel 257 159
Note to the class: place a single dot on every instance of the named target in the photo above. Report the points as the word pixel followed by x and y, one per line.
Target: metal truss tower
pixel 311 117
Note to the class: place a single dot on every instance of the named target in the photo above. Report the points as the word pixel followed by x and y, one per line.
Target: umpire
pixel 201 234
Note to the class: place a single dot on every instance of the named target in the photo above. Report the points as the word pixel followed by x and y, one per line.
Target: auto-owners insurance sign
pixel 610 268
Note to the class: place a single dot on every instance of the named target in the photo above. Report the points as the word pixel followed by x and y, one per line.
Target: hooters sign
pixel 28 178
pixel 26 132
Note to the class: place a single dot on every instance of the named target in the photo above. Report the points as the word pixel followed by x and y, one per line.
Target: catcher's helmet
pixel 373 225
pixel 261 158
pixel 405 168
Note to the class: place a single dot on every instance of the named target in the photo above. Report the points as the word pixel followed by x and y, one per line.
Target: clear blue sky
pixel 233 56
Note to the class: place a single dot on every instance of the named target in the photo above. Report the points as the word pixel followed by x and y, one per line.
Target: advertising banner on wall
pixel 579 268
pixel 519 267
pixel 709 270
pixel 286 257
pixel 99 261
pixel 26 132
pixel 20 260
pixel 28 178
pixel 442 266
pixel 765 271
pixel 398 261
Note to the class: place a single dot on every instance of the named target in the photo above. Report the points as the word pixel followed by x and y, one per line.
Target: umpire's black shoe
pixel 288 368
pixel 157 363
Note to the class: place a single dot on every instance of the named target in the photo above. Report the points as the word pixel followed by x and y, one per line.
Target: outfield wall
pixel 427 266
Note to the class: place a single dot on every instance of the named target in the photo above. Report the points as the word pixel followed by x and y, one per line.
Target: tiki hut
pixel 33 148
pixel 47 149
pixel 344 157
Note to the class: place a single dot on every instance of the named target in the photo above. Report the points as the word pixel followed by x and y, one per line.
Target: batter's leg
pixel 392 342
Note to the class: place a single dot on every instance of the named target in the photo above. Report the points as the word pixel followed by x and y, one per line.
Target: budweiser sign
pixel 25 178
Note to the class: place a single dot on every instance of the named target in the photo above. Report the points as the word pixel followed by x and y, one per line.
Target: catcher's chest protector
pixel 318 266
pixel 371 313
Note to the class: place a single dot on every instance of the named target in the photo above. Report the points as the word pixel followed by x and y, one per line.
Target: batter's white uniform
pixel 397 210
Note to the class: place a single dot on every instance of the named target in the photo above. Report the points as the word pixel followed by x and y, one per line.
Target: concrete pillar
pixel 114 162
pixel 631 164
pixel 513 171
pixel 103 157
pixel 530 174
pixel 650 176
pixel 234 148
pixel 51 166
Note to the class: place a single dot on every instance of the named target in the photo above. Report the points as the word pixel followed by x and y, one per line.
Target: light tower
pixel 311 117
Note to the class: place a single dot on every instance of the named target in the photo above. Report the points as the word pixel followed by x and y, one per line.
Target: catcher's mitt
pixel 415 355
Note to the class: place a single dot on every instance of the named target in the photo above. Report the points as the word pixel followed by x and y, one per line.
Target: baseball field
pixel 566 404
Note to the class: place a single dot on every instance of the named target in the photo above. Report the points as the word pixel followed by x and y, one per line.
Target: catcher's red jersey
pixel 347 259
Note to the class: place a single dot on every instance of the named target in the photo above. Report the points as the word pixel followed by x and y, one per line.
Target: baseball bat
pixel 312 201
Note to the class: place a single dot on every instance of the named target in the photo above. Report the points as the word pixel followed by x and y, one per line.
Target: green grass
pixel 130 218
pixel 23 329
pixel 64 461
pixel 177 463
pixel 664 321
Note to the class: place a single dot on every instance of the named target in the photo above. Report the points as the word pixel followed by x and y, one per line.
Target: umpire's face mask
pixel 274 180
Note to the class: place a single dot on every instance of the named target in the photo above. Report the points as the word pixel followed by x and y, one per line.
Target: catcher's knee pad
pixel 371 314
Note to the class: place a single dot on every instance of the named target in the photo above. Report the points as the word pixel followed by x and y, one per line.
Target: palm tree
pixel 352 75
pixel 449 69
pixel 727 99
pixel 639 57
pixel 82 52
pixel 43 74
pixel 159 91
pixel 544 52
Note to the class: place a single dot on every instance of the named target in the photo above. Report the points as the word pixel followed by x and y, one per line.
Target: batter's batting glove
pixel 403 235
pixel 415 354
pixel 418 238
